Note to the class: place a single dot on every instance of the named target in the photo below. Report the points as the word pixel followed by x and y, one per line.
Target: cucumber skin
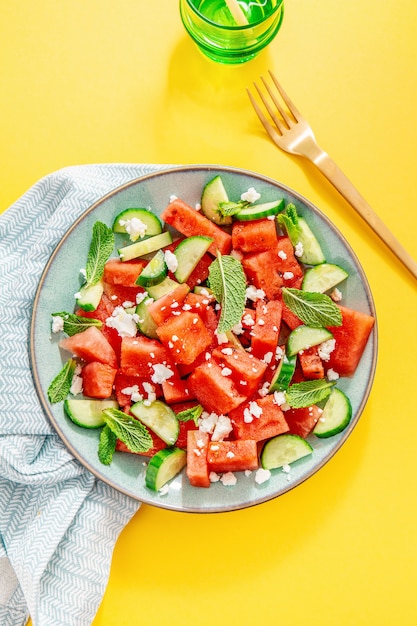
pixel 149 277
pixel 182 273
pixel 257 212
pixel 145 246
pixel 147 416
pixel 97 422
pixel 153 221
pixel 312 277
pixel 90 296
pixel 214 193
pixel 313 254
pixel 324 434
pixel 294 336
pixel 154 477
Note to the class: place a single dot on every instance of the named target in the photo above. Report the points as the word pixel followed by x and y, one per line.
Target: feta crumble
pixel 161 373
pixel 254 294
pixel 262 475
pixel 57 324
pixel 123 322
pixel 171 261
pixel 332 374
pixel 134 227
pixel 326 348
pixel 228 479
pixel 251 195
pixel 299 249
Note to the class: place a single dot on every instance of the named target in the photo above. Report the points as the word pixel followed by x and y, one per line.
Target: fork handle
pixel 339 180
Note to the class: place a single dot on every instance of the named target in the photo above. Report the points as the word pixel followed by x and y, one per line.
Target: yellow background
pixel 88 81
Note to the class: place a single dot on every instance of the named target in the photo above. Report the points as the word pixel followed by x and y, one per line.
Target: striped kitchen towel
pixel 58 523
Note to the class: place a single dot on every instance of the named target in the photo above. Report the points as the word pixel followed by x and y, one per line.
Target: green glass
pixel 211 25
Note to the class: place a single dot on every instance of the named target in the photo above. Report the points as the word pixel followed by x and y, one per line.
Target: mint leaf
pixel 190 414
pixel 74 324
pixel 106 445
pixel 228 209
pixel 288 220
pixel 129 430
pixel 101 247
pixel 308 392
pixel 61 384
pixel 314 309
pixel 228 282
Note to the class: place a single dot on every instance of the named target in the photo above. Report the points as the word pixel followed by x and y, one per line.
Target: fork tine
pixel 268 127
pixel 291 106
pixel 273 97
pixel 278 123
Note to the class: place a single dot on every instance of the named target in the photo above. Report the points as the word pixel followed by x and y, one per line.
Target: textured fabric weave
pixel 58 523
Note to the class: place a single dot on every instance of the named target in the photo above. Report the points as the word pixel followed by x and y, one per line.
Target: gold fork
pixel 292 133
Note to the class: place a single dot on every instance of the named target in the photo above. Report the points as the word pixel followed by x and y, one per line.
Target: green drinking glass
pixel 232 31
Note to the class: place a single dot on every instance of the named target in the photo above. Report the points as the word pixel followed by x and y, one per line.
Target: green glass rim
pixel 275 10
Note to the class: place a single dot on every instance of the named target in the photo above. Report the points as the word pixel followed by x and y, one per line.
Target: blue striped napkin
pixel 58 523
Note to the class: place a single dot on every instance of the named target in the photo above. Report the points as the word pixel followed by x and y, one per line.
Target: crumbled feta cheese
pixel 134 227
pixel 161 373
pixel 187 307
pixel 248 320
pixel 133 392
pixel 332 374
pixel 255 409
pixel 336 295
pixel 282 255
pixel 140 297
pixel 128 304
pixel 268 357
pixel 226 371
pixel 173 197
pixel 228 479
pixel 57 324
pixel 262 475
pixel 251 195
pixel 227 351
pixel 83 273
pixel 287 470
pixel 263 391
pixel 214 478
pixel 230 454
pixel 281 400
pixel 299 249
pixel 207 422
pixel 288 275
pixel 248 472
pixel 221 337
pixel 164 490
pixel 247 416
pixel 252 293
pixel 123 322
pixel 171 261
pixel 150 390
pixel 279 353
pixel 222 429
pixel 261 322
pixel 326 348
pixel 77 382
pixel 198 206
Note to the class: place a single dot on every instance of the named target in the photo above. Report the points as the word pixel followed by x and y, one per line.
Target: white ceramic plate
pixel 60 280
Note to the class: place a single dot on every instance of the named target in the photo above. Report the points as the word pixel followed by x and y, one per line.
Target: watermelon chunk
pixel 124 273
pixel 351 339
pixel 162 308
pixel 262 269
pixel 232 456
pixel 90 345
pixel 266 329
pixel 302 421
pixel 185 336
pixel 98 379
pixel 197 468
pixel 216 393
pixel 311 363
pixel 139 356
pixel 190 222
pixel 246 370
pixel 258 419
pixel 254 236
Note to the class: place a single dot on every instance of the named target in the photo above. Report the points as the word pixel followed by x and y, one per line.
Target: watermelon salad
pixel 211 342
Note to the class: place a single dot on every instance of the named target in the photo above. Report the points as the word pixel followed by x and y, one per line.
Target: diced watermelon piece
pixel 98 379
pixel 254 236
pixel 197 468
pixel 185 428
pixel 246 370
pixel 269 423
pixel 144 386
pixel 262 270
pixel 351 339
pixel 185 336
pixel 302 421
pixel 198 303
pixel 289 267
pixel 190 222
pixel 311 363
pixel 162 309
pixel 140 354
pixel 120 295
pixel 266 329
pixel 176 390
pixel 215 392
pixel 102 312
pixel 125 274
pixel 232 456
pixel 90 345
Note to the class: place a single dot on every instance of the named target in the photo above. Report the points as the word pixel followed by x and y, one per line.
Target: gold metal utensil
pixel 292 133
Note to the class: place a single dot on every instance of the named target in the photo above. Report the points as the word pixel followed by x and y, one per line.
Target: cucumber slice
pixel 166 286
pixel 160 418
pixel 336 415
pixel 163 466
pixel 89 296
pixel 283 374
pixel 214 193
pixel 304 337
pixel 155 272
pixel 88 413
pixel 125 221
pixel 140 248
pixel 323 277
pixel 258 211
pixel 146 323
pixel 312 252
pixel 283 450
pixel 188 253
